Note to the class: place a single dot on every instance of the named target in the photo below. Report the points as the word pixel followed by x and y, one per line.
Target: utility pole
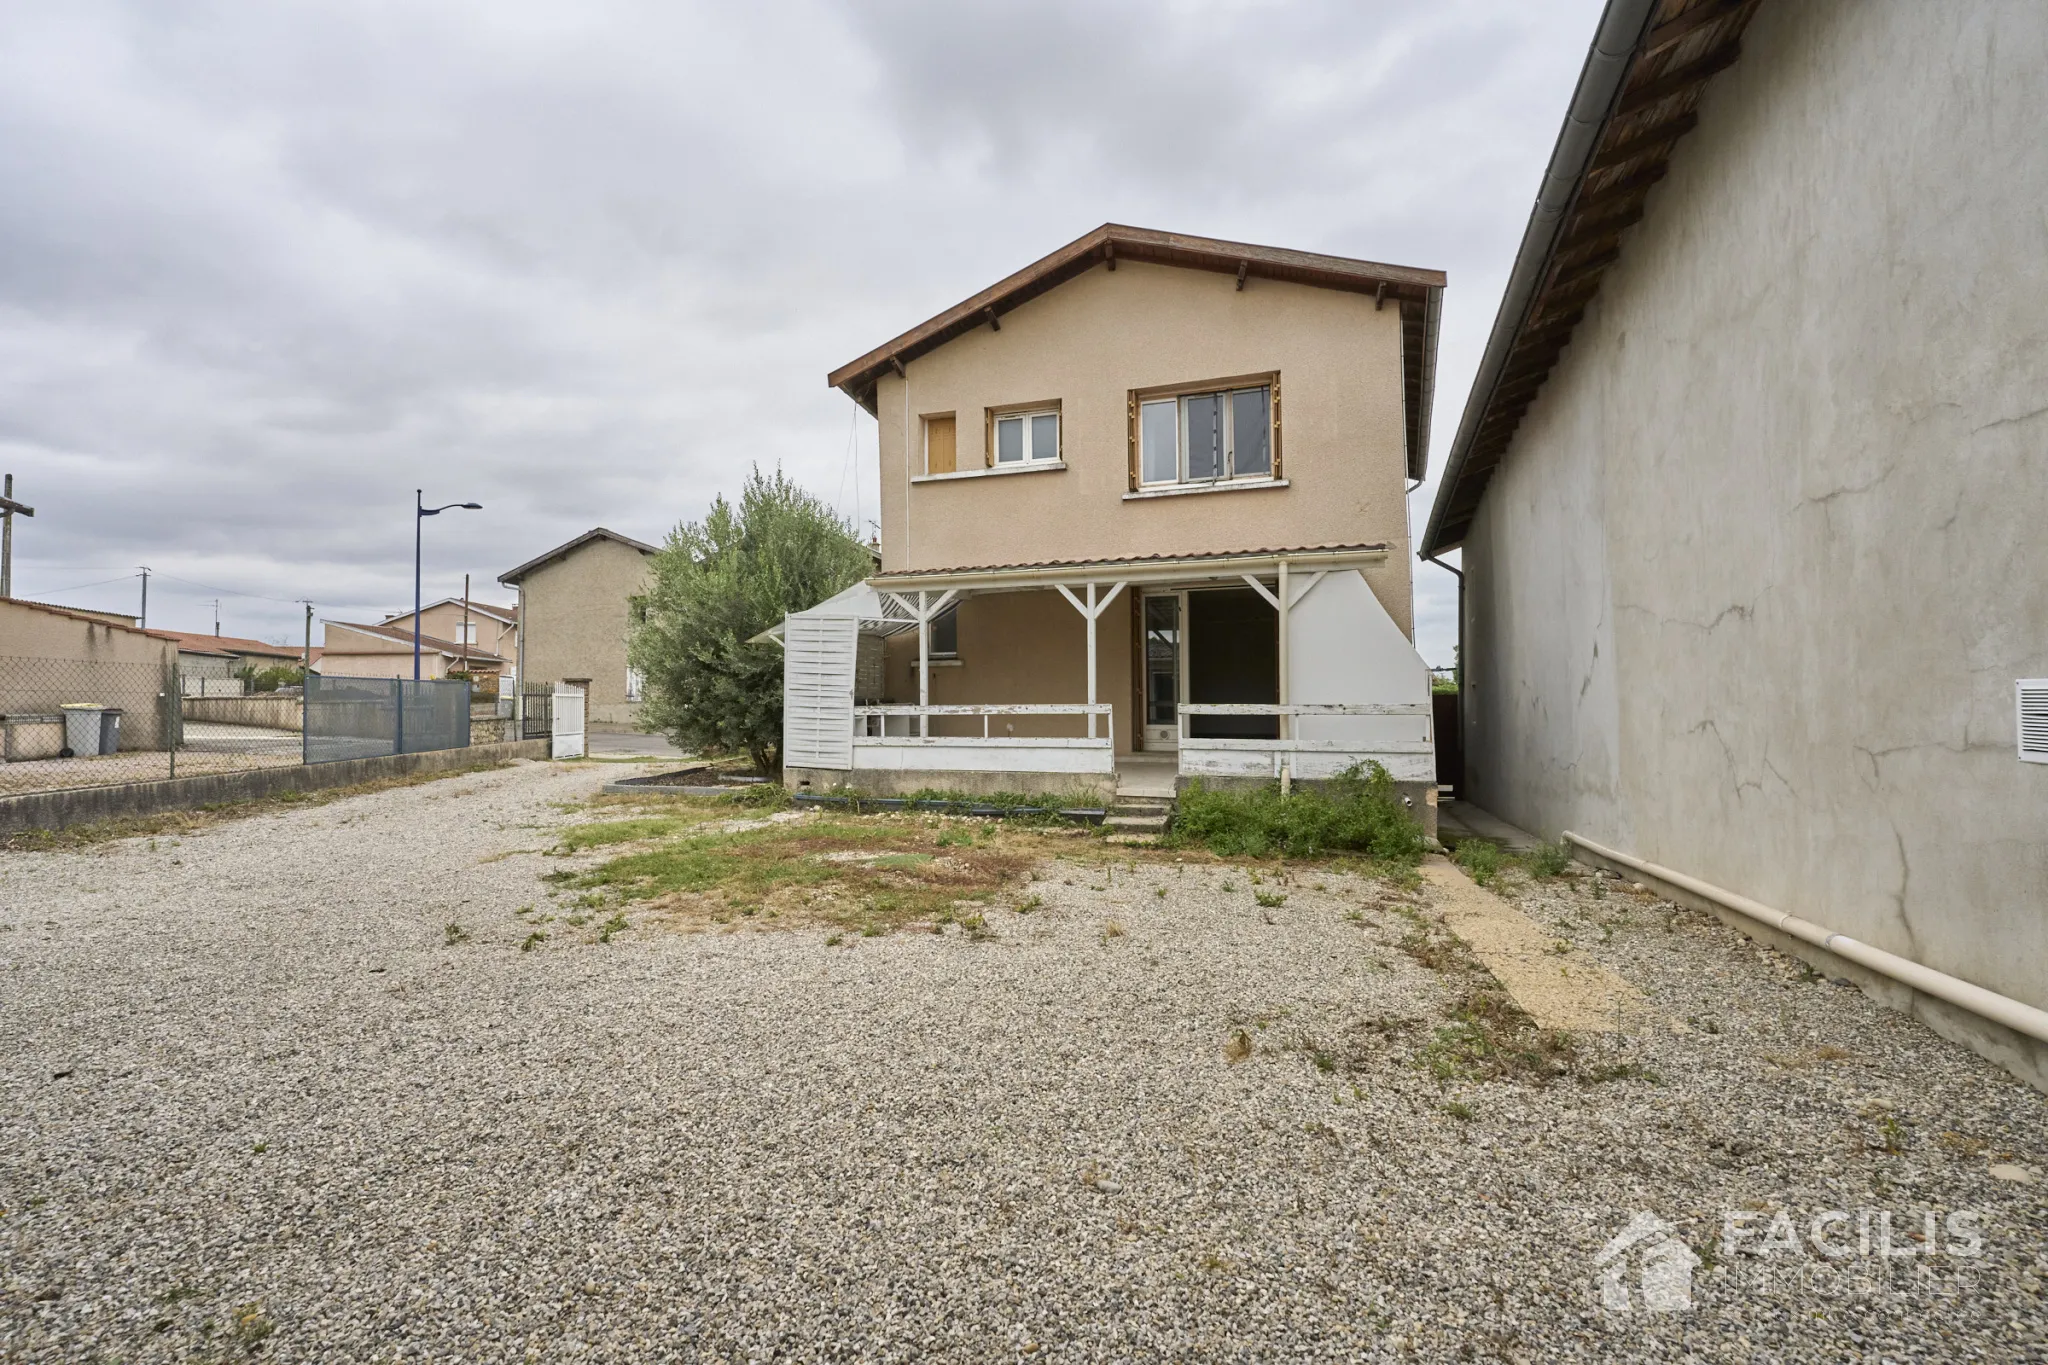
pixel 306 664
pixel 465 621
pixel 216 618
pixel 8 508
pixel 143 620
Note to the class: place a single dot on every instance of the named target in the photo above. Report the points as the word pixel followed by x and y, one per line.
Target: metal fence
pixel 373 717
pixel 67 723
pixel 536 710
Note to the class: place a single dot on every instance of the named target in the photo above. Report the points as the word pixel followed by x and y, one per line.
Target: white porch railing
pixel 898 736
pixel 1406 759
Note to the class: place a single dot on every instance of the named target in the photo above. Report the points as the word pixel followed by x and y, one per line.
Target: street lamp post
pixel 420 512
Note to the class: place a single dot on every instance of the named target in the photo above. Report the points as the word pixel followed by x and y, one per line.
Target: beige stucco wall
pixel 574 616
pixel 47 659
pixel 1023 648
pixel 393 663
pixel 1749 593
pixel 1088 343
pixel 444 622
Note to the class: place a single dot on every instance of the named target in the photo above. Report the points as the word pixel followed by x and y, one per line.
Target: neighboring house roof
pixel 429 643
pixel 1649 61
pixel 106 619
pixel 119 618
pixel 191 642
pixel 509 615
pixel 1418 294
pixel 205 653
pixel 512 576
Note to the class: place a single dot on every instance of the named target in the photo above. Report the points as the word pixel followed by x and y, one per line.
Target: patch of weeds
pixel 977 928
pixel 1459 1110
pixel 1957 1144
pixel 576 921
pixel 1809 977
pixel 1620 1071
pixel 1238 1048
pixel 1356 812
pixel 1320 1056
pixel 1112 930
pixel 527 945
pixel 616 924
pixel 1549 860
pixel 1159 892
pixel 872 930
pixel 1481 860
pixel 956 839
pixel 1272 900
pixel 1031 903
pixel 1490 1037
pixel 250 1327
pixel 259 1149
pixel 454 934
pixel 834 940
pixel 1891 1134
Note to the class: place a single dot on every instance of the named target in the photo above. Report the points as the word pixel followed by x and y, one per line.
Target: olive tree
pixel 713 586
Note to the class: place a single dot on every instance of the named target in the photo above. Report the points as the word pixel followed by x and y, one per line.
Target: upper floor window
pixel 466 633
pixel 1206 437
pixel 1025 437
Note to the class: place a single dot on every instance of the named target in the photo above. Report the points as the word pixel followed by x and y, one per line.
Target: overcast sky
pixel 266 268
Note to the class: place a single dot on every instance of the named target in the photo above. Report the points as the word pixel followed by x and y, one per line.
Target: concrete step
pixel 1148 823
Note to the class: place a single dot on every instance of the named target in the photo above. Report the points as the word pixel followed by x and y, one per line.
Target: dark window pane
pixel 946 631
pixel 1009 440
pixel 1251 432
pixel 1162 659
pixel 1159 437
pixel 1205 436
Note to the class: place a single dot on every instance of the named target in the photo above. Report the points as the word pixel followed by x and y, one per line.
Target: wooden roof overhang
pixel 1615 146
pixel 1417 293
pixel 1224 566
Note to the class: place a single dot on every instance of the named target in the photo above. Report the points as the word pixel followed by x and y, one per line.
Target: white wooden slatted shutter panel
pixel 817 690
pixel 2033 716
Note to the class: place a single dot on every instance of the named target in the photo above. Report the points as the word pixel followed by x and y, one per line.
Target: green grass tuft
pixel 1355 812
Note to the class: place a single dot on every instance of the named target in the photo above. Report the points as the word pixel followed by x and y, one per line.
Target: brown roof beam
pixel 1673 31
pixel 1623 188
pixel 1676 82
pixel 1592 265
pixel 1589 229
pixel 1630 148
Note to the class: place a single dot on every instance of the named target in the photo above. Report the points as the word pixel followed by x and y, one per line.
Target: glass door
pixel 1164 641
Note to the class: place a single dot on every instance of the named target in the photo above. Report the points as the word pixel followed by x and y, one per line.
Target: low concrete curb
pixel 84 805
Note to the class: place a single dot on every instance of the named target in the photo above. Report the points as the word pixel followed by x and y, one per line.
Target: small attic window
pixel 2033 719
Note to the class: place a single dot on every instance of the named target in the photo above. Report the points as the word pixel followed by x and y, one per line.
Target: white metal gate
pixel 818 667
pixel 567 738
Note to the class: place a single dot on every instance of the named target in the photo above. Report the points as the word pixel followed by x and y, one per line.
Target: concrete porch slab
pixel 1152 775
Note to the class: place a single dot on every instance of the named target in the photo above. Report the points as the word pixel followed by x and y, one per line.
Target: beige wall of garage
pixel 573 612
pixel 1086 345
pixel 53 657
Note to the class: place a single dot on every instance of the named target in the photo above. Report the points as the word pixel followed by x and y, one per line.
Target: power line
pixel 101 583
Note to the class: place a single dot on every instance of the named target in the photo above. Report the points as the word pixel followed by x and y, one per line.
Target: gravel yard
pixel 307 1086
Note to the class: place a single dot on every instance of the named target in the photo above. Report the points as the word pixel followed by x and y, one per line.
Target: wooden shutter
pixel 819 654
pixel 2033 719
pixel 941 445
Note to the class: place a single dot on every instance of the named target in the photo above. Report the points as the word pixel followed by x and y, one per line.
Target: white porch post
pixel 1090 614
pixel 924 665
pixel 1286 721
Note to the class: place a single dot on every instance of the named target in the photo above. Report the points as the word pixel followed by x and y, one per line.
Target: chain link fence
pixel 68 723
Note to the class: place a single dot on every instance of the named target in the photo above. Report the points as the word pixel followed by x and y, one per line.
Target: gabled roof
pixel 191 642
pixel 1644 73
pixel 512 576
pixel 447 648
pixel 509 615
pixel 1416 292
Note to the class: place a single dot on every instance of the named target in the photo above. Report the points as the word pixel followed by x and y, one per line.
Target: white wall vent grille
pixel 2033 715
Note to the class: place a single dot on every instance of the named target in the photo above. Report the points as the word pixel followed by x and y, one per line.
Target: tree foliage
pixel 713 586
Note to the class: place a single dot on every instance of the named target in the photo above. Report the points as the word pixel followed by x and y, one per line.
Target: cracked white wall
pixel 1749 593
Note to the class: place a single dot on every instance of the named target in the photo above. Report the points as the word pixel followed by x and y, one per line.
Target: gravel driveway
pixel 257 1105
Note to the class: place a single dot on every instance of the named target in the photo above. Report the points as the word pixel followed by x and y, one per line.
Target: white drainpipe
pixel 1999 1009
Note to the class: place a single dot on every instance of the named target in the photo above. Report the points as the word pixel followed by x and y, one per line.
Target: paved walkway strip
pixel 1560 991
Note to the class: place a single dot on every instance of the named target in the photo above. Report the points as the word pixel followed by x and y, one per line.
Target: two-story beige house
pixel 575 612
pixel 1143 519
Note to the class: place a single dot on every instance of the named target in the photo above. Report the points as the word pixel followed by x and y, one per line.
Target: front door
pixel 1165 642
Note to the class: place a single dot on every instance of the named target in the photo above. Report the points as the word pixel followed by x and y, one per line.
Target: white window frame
pixel 1180 426
pixel 995 437
pixel 636 685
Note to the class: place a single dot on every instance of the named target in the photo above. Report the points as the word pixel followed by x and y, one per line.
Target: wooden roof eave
pixel 1648 104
